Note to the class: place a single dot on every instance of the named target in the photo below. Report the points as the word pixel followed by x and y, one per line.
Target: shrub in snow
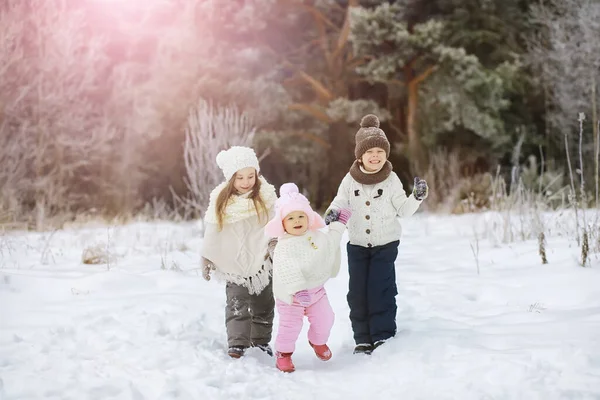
pixel 97 254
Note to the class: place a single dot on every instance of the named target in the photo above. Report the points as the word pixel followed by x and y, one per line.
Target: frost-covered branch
pixel 211 129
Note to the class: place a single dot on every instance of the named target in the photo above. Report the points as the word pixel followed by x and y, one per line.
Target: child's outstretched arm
pixel 405 206
pixel 334 235
pixel 337 223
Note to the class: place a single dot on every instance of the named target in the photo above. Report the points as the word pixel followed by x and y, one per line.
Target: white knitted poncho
pixel 238 250
pixel 306 262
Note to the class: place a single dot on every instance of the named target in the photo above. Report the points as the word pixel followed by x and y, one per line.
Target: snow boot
pixel 284 362
pixel 322 351
pixel 265 347
pixel 236 351
pixel 377 344
pixel 363 348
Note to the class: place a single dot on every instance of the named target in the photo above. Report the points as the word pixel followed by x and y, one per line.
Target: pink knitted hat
pixel 291 200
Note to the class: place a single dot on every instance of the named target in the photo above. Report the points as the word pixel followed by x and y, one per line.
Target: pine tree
pixel 420 57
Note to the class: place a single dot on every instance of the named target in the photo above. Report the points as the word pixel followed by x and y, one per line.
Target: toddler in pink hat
pixel 303 260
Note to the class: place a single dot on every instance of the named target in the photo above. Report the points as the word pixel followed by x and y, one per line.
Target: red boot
pixel 322 351
pixel 284 362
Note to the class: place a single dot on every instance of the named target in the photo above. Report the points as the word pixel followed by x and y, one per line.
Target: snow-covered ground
pixel 147 326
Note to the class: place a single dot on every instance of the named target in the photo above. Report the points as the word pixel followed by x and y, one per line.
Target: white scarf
pixel 239 207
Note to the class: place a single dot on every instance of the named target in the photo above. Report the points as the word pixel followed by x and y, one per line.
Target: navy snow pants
pixel 372 291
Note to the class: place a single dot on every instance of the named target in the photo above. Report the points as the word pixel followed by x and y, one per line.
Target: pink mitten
pixel 303 297
pixel 345 215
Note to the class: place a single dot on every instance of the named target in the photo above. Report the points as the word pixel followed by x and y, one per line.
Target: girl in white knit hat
pixel 304 259
pixel 235 249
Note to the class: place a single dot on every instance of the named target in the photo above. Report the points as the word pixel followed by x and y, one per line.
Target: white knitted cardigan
pixel 306 262
pixel 375 209
pixel 238 250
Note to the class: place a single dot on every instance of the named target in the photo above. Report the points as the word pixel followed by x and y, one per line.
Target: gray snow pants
pixel 249 318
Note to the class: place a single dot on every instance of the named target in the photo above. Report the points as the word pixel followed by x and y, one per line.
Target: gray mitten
pixel 332 216
pixel 207 267
pixel 342 216
pixel 420 190
pixel 271 249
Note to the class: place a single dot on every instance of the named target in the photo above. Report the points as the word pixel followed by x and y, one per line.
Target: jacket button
pixel 369 245
pixel 368 231
pixel 367 217
pixel 368 203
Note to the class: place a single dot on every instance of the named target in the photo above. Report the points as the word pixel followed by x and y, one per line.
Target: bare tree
pixel 48 77
pixel 210 129
pixel 85 110
pixel 151 97
pixel 75 124
pixel 567 52
pixel 13 174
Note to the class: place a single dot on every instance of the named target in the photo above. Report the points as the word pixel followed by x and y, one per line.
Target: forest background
pixel 117 109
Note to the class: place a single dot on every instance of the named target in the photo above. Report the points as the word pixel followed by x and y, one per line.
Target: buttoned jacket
pixel 375 209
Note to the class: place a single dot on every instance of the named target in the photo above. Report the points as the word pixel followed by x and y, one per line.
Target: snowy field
pixel 147 326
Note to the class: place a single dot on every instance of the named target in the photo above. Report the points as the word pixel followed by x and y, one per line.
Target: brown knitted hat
pixel 369 135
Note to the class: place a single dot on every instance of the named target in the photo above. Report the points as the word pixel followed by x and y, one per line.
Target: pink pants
pixel 291 317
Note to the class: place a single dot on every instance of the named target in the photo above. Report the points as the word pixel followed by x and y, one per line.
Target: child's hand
pixel 303 297
pixel 342 216
pixel 207 267
pixel 271 248
pixel 420 190
pixel 331 216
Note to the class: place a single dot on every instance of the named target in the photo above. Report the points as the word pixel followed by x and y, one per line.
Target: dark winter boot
pixel 378 343
pixel 236 351
pixel 363 348
pixel 265 347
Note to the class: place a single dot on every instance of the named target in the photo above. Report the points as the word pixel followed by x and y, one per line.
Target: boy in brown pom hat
pixel 376 197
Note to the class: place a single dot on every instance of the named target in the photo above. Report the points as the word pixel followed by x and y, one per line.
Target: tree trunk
pixel 414 140
pixel 415 144
pixel 595 130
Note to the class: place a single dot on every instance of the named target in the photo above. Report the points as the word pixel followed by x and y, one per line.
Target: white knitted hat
pixel 236 158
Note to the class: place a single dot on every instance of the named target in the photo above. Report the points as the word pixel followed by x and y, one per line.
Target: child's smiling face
pixel 296 223
pixel 373 159
pixel 244 180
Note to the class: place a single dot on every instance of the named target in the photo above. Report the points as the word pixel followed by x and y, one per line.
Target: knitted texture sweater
pixel 375 209
pixel 238 250
pixel 306 262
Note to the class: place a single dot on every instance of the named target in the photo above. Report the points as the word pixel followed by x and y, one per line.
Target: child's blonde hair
pixel 229 190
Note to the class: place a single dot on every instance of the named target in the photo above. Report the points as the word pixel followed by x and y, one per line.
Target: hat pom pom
pixel 369 121
pixel 288 188
pixel 221 159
